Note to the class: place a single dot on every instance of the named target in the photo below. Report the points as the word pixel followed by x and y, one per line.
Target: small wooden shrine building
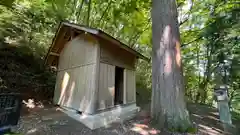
pixel 95 74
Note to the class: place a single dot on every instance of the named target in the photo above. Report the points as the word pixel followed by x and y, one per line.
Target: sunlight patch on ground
pixel 30 103
pixel 144 129
pixel 215 113
pixel 197 116
pixel 213 118
pixel 83 116
pixel 31 131
pixel 208 130
pixel 59 109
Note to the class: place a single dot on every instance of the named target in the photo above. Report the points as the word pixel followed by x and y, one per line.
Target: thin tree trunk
pixel 202 92
pixel 231 96
pixel 80 10
pixel 208 75
pixel 199 71
pixel 168 105
pixel 89 12
pixel 100 20
pixel 135 37
pixel 187 14
pixel 75 10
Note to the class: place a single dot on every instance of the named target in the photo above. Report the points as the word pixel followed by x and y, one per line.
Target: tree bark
pixel 168 107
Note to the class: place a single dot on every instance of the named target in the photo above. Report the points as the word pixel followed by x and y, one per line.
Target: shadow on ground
pixel 51 121
pixel 207 119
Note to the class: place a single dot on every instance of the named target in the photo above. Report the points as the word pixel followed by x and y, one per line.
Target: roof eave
pixel 94 32
pixel 53 42
pixel 83 28
pixel 99 33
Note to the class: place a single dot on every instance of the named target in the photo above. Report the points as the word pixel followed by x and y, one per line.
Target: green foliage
pixel 32 31
pixel 7 3
pixel 24 73
pixel 11 133
pixel 175 127
pixel 184 129
pixel 211 39
pixel 181 125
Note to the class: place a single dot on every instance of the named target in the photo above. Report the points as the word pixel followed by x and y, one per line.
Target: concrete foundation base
pixel 103 119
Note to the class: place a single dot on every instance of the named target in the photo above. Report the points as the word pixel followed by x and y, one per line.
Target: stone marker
pixel 223 108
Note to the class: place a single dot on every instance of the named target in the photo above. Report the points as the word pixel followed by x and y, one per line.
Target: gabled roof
pixel 84 29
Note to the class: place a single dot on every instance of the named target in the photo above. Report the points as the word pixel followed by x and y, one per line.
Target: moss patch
pixel 175 128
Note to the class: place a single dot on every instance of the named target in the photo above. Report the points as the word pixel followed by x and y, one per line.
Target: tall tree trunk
pixel 199 71
pixel 89 12
pixel 79 10
pixel 202 91
pixel 207 75
pixel 168 106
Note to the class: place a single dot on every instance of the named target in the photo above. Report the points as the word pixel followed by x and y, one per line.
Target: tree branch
pixel 109 4
pixel 232 95
pixel 183 45
pixel 187 14
pixel 137 36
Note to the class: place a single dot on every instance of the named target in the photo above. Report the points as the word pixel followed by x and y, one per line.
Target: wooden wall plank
pixel 78 64
pixel 125 86
pixel 58 88
pixel 106 86
pixel 78 52
pixel 113 55
pixel 134 85
pixel 77 93
pixel 79 60
pixel 130 86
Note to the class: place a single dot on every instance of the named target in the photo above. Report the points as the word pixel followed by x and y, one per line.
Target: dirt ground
pixel 50 120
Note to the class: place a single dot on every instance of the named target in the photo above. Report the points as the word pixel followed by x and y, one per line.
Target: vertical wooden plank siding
pixel 124 86
pixel 76 78
pixel 58 87
pixel 113 55
pixel 130 86
pixel 106 86
pixel 97 82
pixel 78 52
pixel 134 85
